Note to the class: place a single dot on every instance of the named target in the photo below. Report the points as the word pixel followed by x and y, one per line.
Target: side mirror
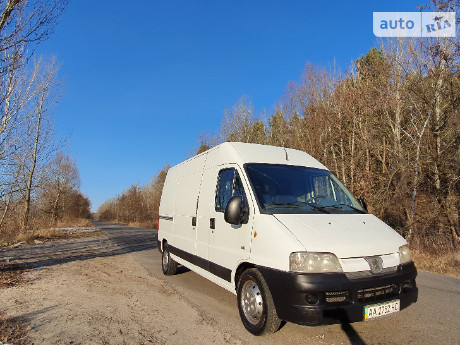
pixel 363 203
pixel 233 210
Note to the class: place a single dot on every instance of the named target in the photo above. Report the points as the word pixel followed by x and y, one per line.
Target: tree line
pixel 39 184
pixel 136 205
pixel 389 128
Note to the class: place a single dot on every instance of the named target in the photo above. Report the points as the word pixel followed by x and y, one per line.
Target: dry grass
pixel 36 235
pixel 40 236
pixel 148 225
pixel 72 223
pixel 12 330
pixel 65 229
pixel 448 263
pixel 13 275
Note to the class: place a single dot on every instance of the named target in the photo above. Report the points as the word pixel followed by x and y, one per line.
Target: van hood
pixel 345 235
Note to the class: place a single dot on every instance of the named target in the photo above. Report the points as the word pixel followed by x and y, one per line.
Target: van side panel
pixel 167 206
pixel 205 213
pixel 187 190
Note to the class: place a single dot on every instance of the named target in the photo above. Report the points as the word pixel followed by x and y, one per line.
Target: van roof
pixel 241 153
pixel 257 153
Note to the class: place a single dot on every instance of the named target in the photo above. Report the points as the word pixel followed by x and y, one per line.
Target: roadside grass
pixel 72 223
pixel 13 330
pixel 447 263
pixel 65 230
pixel 146 224
pixel 40 236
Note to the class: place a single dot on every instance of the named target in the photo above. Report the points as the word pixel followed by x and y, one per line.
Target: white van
pixel 274 226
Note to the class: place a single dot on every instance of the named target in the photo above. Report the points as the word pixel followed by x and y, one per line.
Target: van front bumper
pixel 324 298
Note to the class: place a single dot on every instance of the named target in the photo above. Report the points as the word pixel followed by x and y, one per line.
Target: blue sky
pixel 143 79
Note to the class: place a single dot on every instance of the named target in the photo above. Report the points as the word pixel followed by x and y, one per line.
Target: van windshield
pixel 296 189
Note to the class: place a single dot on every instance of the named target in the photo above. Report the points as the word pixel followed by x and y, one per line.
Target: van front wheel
pixel 168 265
pixel 255 304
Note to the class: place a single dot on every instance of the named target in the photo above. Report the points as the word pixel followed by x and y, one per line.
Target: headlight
pixel 314 262
pixel 404 254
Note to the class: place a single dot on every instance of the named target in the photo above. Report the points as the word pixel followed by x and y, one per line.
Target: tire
pixel 168 265
pixel 255 304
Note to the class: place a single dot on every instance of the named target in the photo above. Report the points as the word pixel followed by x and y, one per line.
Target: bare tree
pixel 417 136
pixel 136 204
pixel 238 122
pixel 25 23
pixel 60 178
pixel 154 194
pixel 16 94
pixel 40 132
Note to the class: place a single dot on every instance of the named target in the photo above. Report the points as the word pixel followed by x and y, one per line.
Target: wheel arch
pixel 163 242
pixel 240 269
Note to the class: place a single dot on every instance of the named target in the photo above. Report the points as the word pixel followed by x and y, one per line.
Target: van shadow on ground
pixel 118 240
pixel 352 334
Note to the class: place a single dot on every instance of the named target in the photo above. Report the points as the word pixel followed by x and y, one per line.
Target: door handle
pixel 212 223
pixel 193 221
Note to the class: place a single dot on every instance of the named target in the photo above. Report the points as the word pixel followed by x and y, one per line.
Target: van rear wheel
pixel 168 265
pixel 255 304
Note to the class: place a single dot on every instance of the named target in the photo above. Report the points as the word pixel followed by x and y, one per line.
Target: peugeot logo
pixel 375 264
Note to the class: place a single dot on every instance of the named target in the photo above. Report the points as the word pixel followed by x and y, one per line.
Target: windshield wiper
pixel 316 207
pixel 283 204
pixel 352 207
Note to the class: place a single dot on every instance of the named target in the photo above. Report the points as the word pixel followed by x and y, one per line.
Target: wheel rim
pixel 252 302
pixel 165 258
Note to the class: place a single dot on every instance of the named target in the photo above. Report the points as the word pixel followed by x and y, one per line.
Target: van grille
pixel 336 296
pixel 369 294
pixel 377 293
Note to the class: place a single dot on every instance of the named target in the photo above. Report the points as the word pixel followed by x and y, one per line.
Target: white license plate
pixel 378 310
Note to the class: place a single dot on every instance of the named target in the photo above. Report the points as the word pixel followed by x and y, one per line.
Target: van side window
pixel 228 185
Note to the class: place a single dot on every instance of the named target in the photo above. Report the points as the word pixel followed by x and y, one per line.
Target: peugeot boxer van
pixel 277 228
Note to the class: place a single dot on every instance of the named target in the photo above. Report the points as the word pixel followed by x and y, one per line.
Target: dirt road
pixel 110 290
